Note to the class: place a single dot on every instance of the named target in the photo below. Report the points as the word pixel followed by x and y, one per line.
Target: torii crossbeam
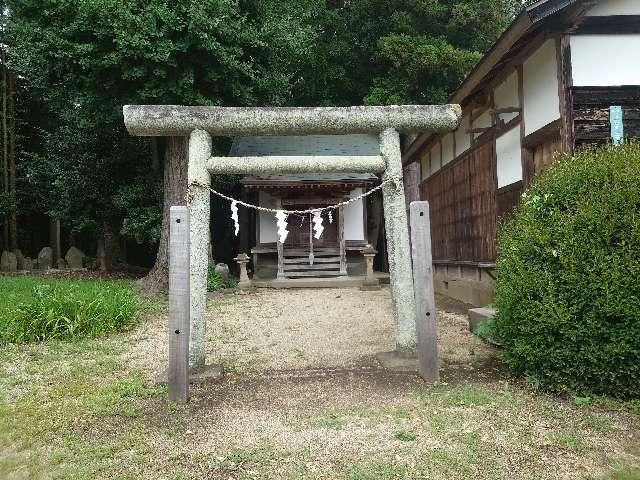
pixel 200 123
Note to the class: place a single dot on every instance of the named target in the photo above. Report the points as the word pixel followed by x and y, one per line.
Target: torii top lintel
pixel 173 120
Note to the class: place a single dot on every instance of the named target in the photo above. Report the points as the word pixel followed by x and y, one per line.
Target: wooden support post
pixel 179 298
pixel 342 244
pixel 423 286
pixel 280 246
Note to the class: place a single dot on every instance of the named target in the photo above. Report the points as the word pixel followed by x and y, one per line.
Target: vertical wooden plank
pixel 280 246
pixel 565 85
pixel 179 292
pixel 423 286
pixel 341 241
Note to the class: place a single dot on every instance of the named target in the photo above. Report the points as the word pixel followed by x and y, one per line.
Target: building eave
pixel 529 18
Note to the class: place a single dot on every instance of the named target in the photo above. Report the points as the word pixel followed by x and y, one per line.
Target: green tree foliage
pixel 400 51
pixel 568 276
pixel 87 58
pixel 79 61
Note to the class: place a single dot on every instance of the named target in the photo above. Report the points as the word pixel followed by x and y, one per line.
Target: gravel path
pixel 305 329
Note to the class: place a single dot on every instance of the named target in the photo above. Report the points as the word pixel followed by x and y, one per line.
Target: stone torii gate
pixel 200 123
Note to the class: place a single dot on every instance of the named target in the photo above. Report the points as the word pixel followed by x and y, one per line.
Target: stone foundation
pixel 471 285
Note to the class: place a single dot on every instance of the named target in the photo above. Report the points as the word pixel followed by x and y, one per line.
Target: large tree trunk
pixel 13 217
pixel 5 145
pixel 175 189
pixel 109 252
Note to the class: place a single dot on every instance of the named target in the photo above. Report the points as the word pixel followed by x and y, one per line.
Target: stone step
pixel 318 273
pixel 299 252
pixel 314 267
pixel 303 260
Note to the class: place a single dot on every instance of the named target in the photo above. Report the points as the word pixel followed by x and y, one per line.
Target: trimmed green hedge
pixel 568 290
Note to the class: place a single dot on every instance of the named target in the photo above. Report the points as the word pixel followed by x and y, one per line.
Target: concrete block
pixel 479 315
pixel 200 375
pixel 398 362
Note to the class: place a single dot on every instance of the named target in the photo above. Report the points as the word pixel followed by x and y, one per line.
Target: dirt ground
pixel 272 330
pixel 303 398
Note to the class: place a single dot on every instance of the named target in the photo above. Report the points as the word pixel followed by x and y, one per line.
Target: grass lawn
pixel 91 409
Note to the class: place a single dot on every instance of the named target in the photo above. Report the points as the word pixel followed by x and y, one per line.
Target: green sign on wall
pixel 617 124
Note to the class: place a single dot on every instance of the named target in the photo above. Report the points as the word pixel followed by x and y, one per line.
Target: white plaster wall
pixel 506 95
pixel 483 120
pixel 463 139
pixel 425 166
pixel 509 160
pixel 615 7
pixel 618 60
pixel 540 85
pixel 436 158
pixel 447 148
pixel 268 228
pixel 354 218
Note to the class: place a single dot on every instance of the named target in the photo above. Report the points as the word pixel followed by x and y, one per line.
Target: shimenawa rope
pixel 195 183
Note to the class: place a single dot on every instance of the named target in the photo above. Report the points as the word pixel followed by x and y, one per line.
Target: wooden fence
pixel 462 196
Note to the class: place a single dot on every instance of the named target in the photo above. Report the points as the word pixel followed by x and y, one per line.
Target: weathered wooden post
pixel 179 300
pixel 423 285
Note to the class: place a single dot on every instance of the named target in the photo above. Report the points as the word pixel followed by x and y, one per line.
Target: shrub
pixel 34 309
pixel 487 330
pixel 568 290
pixel 215 283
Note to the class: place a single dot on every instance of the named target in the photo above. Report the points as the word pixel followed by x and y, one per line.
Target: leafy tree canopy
pixel 401 51
pixel 79 61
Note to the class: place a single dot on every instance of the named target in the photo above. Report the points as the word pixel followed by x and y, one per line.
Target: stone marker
pixel 27 264
pixel 62 265
pixel 245 281
pixel 370 282
pixel 8 262
pixel 20 259
pixel 222 269
pixel 45 258
pixel 74 258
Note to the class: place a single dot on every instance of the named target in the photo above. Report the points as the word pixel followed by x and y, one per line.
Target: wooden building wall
pixel 591 112
pixel 462 196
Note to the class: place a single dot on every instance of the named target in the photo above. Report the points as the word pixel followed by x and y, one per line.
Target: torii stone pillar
pixel 199 218
pixel 398 246
pixel 202 122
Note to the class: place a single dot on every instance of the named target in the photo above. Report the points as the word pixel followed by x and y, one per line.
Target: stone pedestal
pixel 245 281
pixel 370 282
